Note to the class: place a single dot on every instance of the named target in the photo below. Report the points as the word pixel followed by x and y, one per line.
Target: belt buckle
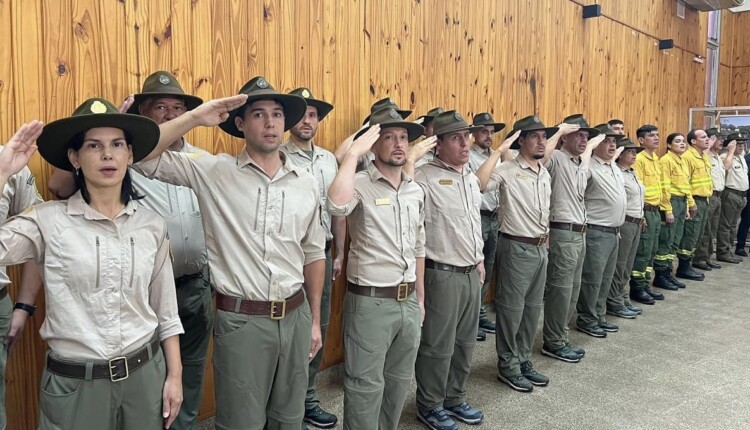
pixel 402 296
pixel 275 305
pixel 114 364
pixel 468 269
pixel 584 227
pixel 542 240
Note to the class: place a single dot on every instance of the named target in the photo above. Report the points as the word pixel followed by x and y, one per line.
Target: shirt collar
pixel 376 174
pixel 481 151
pixel 78 206
pixel 572 158
pixel 522 163
pixel 244 160
pixel 292 148
pixel 439 163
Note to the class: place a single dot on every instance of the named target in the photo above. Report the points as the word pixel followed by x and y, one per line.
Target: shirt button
pixel 269 233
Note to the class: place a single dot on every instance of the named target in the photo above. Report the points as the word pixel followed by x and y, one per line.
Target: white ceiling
pixel 742 8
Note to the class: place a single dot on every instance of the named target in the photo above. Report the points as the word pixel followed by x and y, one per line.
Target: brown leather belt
pixel 116 369
pixel 701 198
pixel 3 293
pixel 430 264
pixel 717 193
pixel 578 228
pixel 612 230
pixel 650 208
pixel 536 241
pixel 488 214
pixel 739 193
pixel 276 309
pixel 400 292
pixel 632 219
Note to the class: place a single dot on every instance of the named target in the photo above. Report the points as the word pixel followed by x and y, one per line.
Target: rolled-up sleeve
pixel 344 210
pixel 314 241
pixel 419 250
pixel 163 296
pixel 26 193
pixel 21 239
pixel 496 180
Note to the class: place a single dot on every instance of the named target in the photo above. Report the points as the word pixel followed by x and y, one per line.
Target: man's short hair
pixel 646 129
pixel 614 122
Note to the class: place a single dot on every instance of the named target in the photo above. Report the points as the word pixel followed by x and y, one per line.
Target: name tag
pixel 446 182
pixel 521 176
pixel 382 202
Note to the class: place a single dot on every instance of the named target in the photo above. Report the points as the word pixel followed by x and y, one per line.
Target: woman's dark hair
pixel 672 137
pixel 128 191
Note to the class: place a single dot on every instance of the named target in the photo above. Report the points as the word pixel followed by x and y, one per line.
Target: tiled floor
pixel 683 364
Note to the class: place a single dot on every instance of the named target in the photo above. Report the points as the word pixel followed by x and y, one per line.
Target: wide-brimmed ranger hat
pixel 386 103
pixel 324 108
pixel 740 137
pixel 94 113
pixel 431 114
pixel 626 143
pixel 530 123
pixel 484 119
pixel 258 88
pixel 163 84
pixel 608 131
pixel 579 120
pixel 450 122
pixel 389 118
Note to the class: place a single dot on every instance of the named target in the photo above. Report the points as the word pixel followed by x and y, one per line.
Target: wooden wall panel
pixel 511 58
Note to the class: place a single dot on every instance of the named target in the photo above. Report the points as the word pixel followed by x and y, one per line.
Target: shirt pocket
pixel 83 259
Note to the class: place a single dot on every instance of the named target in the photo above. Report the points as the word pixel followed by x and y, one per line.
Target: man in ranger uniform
pixel 732 200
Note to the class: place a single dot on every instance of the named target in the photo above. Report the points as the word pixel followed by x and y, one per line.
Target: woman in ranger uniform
pixel 677 204
pixel 110 298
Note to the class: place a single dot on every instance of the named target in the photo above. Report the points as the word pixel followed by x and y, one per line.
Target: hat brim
pixel 404 114
pixel 497 126
pixel 549 131
pixel 323 108
pixel 54 141
pixel 294 109
pixel 637 148
pixel 413 130
pixel 191 102
pixel 447 130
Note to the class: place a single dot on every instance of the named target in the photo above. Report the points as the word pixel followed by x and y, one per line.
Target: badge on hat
pixel 457 116
pixel 98 107
pixel 306 94
pixel 536 120
pixel 262 83
pixel 164 79
pixel 486 117
pixel 393 114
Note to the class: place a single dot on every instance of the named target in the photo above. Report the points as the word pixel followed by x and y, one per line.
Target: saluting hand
pixel 731 147
pixel 618 152
pixel 361 146
pixel 595 141
pixel 127 103
pixel 19 149
pixel 565 128
pixel 216 111
pixel 505 146
pixel 419 149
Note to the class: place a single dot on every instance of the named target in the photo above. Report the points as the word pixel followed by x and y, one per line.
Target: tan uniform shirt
pixel 108 283
pixel 605 194
pixel 524 197
pixel 737 174
pixel 569 186
pixel 452 217
pixel 179 207
pixel 635 192
pixel 260 231
pixel 386 226
pixel 19 193
pixel 477 156
pixel 323 166
pixel 718 172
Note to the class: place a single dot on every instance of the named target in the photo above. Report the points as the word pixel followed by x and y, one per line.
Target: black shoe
pixel 661 280
pixel 633 308
pixel 592 331
pixel 654 294
pixel 481 335
pixel 623 313
pixel 741 252
pixel 641 296
pixel 608 327
pixel 536 378
pixel 486 325
pixel 577 349
pixel 727 258
pixel 702 265
pixel 686 271
pixel 517 382
pixel 320 418
pixel 713 265
pixel 563 354
pixel 674 281
pixel 466 413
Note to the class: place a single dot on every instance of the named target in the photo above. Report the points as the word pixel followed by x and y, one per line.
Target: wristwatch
pixel 24 307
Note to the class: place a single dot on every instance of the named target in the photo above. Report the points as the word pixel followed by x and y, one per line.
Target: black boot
pixel 661 280
pixel 641 296
pixel 685 269
pixel 673 280
pixel 655 294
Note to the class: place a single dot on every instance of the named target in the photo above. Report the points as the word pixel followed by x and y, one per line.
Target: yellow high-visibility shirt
pixel 648 170
pixel 699 169
pixel 675 181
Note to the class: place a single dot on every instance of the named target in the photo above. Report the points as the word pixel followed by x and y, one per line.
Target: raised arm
pixel 730 155
pixel 341 191
pixel 552 141
pixel 208 114
pixel 590 147
pixel 484 173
